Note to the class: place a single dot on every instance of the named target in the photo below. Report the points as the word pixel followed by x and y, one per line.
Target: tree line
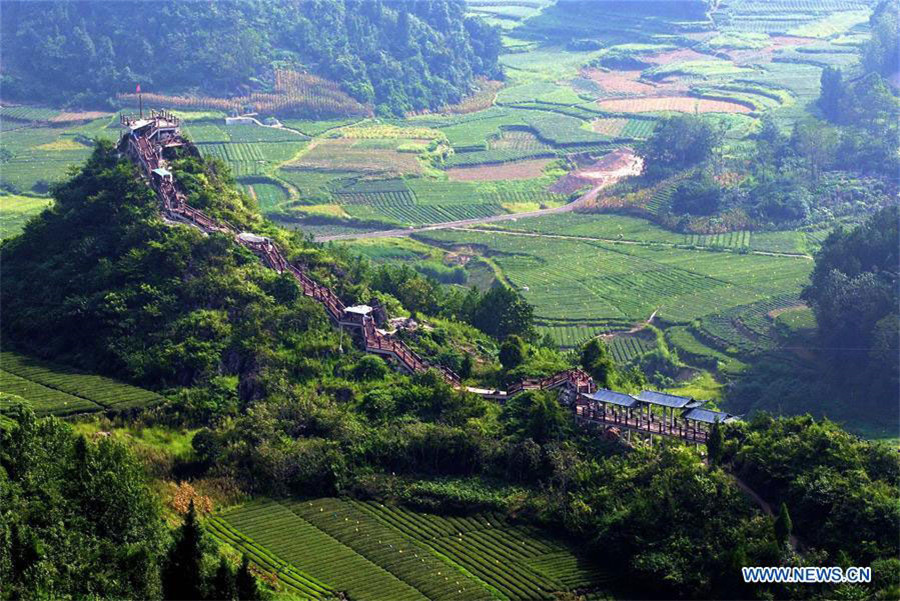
pixel 398 55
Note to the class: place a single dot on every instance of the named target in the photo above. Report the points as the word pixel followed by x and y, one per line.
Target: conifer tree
pixel 715 444
pixel 247 587
pixel 783 525
pixel 182 579
pixel 224 586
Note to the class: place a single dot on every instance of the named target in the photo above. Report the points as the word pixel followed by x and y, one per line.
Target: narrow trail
pixel 765 506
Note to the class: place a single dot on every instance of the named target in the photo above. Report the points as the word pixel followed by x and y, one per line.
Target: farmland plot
pixel 515 170
pixel 16 211
pixel 377 552
pixel 274 531
pixel 356 155
pixel 572 280
pixel 497 553
pixel 56 389
pixel 680 104
pixel 628 346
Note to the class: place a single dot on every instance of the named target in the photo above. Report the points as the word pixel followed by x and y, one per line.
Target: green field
pixel 15 211
pixel 55 389
pixel 579 280
pixel 378 552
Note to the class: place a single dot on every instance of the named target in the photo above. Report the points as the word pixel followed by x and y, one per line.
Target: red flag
pixel 138 89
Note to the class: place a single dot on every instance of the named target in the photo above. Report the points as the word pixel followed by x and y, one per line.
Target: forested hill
pixel 398 55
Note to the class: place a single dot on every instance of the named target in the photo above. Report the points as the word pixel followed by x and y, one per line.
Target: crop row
pixel 517 139
pixel 572 571
pixel 661 199
pixel 625 348
pixel 103 391
pixel 638 128
pixel 41 399
pixel 255 133
pixel 287 574
pixel 513 580
pixel 425 526
pixel 775 7
pixel 419 214
pixel 506 195
pixel 313 551
pixel 27 113
pixel 571 336
pixel 488 157
pixel 487 546
pixel 739 239
pixel 377 199
pixel 363 186
pixel 691 349
pixel 232 152
pixel 405 558
pixel 746 328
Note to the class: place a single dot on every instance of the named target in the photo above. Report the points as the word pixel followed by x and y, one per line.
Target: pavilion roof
pixel 359 309
pixel 250 237
pixel 707 416
pixel 613 398
pixel 663 399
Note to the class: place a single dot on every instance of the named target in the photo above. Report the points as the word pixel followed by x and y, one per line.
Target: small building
pixel 356 315
pixel 252 238
pixel 160 175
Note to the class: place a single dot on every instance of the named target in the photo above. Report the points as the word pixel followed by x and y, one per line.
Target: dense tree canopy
pixel 679 142
pixel 880 51
pixel 853 291
pixel 77 518
pixel 397 55
pixel 164 306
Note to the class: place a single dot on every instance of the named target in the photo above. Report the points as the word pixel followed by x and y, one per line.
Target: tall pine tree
pixel 224 586
pixel 247 587
pixel 783 525
pixel 182 578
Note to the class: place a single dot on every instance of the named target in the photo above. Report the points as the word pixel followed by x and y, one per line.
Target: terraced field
pixel 276 538
pixel 377 552
pixel 627 347
pixel 745 329
pixel 54 389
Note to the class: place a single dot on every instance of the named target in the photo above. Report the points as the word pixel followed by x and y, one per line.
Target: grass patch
pixel 16 211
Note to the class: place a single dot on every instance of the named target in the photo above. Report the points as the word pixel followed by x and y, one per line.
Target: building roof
pixel 707 416
pixel 162 172
pixel 359 309
pixel 613 398
pixel 248 237
pixel 661 398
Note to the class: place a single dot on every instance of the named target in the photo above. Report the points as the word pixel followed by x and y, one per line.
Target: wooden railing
pixel 640 424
